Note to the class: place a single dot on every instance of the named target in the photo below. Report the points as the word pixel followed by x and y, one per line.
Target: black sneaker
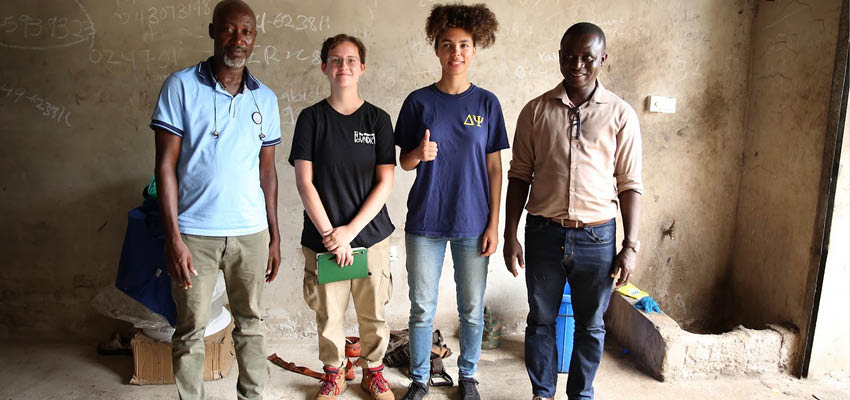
pixel 468 388
pixel 416 391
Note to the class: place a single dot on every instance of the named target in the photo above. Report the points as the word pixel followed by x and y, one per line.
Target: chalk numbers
pixel 295 22
pixel 53 27
pixel 138 59
pixel 172 12
pixel 47 109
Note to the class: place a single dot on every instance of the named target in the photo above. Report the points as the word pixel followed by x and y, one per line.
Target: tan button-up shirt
pixel 577 178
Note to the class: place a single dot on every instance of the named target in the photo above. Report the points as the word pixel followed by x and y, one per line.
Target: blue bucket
pixel 565 327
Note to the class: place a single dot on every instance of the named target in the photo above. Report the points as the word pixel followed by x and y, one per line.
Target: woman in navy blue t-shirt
pixel 451 133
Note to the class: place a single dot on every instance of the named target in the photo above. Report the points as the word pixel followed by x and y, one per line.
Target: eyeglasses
pixel 335 61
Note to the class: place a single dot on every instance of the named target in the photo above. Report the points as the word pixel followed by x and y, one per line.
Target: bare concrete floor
pixel 35 370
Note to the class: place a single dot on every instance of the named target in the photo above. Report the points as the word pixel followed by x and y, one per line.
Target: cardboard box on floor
pixel 152 359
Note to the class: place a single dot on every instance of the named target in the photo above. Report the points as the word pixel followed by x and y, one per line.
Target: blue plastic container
pixel 565 327
pixel 141 268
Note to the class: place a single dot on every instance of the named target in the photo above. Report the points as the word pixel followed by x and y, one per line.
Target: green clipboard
pixel 330 271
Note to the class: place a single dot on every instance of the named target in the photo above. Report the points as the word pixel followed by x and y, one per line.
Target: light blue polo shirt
pixel 218 177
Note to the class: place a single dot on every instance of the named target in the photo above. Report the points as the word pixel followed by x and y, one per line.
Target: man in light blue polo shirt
pixel 216 127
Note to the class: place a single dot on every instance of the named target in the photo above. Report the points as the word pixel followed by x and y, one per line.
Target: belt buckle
pixel 566 223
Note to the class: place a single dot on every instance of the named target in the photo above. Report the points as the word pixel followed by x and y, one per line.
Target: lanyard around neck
pixel 257 116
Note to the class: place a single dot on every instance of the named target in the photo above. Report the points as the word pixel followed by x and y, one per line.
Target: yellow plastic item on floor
pixel 632 291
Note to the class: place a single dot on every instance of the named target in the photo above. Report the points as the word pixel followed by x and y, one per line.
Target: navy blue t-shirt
pixel 451 195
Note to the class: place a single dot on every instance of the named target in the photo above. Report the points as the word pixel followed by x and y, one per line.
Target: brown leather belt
pixel 568 223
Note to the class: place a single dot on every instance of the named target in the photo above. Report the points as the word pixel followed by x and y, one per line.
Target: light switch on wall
pixel 661 104
pixel 393 253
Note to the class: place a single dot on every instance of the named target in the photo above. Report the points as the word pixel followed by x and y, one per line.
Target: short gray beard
pixel 234 63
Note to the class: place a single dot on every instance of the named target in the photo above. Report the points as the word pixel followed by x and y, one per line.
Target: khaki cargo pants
pixel 330 301
pixel 243 259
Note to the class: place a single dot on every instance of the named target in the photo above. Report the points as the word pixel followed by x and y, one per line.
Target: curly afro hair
pixel 476 19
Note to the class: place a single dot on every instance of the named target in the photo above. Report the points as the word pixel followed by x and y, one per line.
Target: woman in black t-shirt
pixel 344 157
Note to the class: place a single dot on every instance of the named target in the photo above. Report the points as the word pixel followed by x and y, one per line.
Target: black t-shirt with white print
pixel 344 150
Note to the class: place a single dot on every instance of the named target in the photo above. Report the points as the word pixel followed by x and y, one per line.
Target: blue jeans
pixel 424 266
pixel 583 257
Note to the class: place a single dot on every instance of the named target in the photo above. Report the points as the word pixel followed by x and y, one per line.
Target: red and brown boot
pixel 333 385
pixel 375 384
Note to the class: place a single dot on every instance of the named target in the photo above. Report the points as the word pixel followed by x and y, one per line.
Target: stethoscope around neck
pixel 256 116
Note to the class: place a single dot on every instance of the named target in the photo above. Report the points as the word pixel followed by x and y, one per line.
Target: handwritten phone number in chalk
pixel 52 111
pixel 136 59
pixel 155 15
pixel 297 22
pixel 52 27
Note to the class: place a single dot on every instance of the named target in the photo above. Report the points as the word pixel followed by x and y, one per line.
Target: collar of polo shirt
pixel 205 75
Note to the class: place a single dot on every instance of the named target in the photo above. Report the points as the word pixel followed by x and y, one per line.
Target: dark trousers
pixel 555 255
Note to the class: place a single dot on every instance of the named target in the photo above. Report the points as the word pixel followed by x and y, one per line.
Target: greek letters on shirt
pixel 473 120
pixel 365 138
pixel 454 189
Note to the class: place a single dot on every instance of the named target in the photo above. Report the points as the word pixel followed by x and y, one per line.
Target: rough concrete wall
pixel 691 159
pixel 69 179
pixel 831 348
pixel 792 64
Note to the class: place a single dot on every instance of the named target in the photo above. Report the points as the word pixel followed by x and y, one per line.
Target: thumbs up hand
pixel 427 150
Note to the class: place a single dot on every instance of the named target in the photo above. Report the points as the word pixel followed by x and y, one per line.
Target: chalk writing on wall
pixel 548 57
pixel 269 54
pixel 135 59
pixel 48 110
pixel 292 100
pixel 173 58
pixel 525 71
pixel 296 22
pixel 24 31
pixel 172 12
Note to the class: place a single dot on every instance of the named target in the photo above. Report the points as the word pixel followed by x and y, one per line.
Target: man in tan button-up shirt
pixel 578 148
